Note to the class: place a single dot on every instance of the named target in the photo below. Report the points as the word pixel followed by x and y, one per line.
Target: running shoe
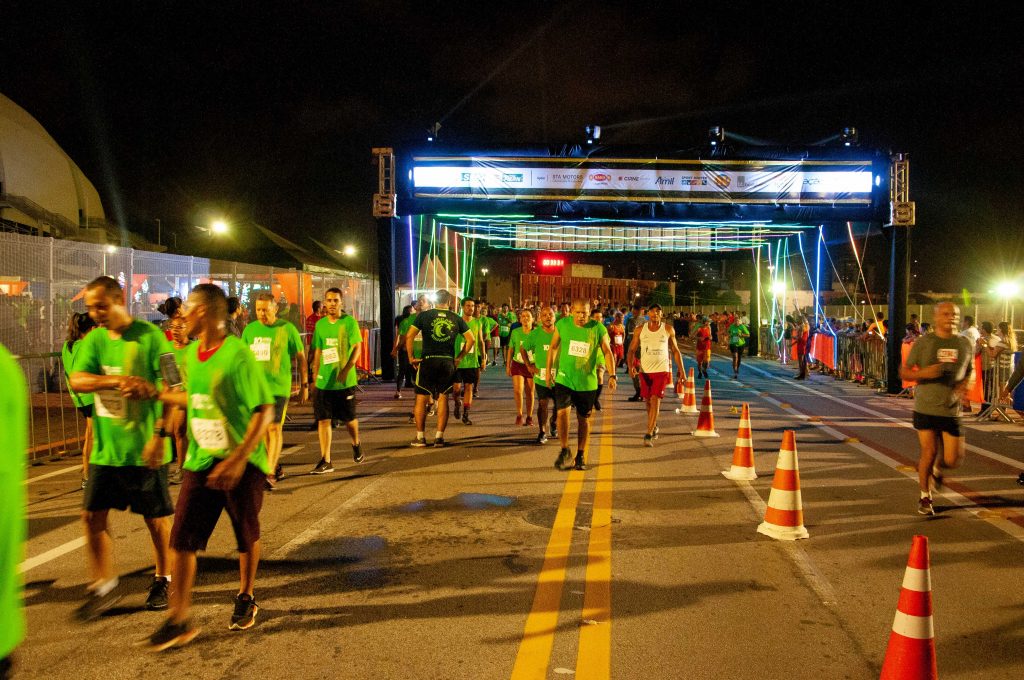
pixel 925 507
pixel 157 598
pixel 597 404
pixel 655 435
pixel 357 455
pixel 580 465
pixel 648 440
pixel 244 615
pixel 529 421
pixel 564 460
pixel 171 634
pixel 542 439
pixel 432 411
pixel 418 443
pixel 85 480
pixel 635 397
pixel 96 605
pixel 1020 479
pixel 458 409
pixel 279 472
pixel 322 467
pixel 465 418
pixel 412 419
pixel 174 478
pixel 439 443
pixel 554 432
pixel 935 481
pixel 269 483
pixel 398 395
pixel 519 420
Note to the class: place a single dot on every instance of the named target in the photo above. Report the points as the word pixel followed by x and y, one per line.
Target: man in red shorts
pixel 649 361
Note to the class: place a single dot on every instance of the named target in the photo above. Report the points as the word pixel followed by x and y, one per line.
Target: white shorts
pixel 496 342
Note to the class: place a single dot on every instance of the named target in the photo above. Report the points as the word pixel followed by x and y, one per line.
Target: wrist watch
pixel 162 433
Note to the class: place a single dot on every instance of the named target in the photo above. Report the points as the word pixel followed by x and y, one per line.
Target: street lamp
pixel 219 227
pixel 349 251
pixel 1007 290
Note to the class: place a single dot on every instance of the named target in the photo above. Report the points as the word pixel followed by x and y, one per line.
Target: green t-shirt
pixel 179 358
pixel 505 322
pixel 488 325
pixel 515 341
pixel 274 346
pixel 121 427
pixel 735 337
pixel 67 357
pixel 579 353
pixel 336 342
pixel 472 358
pixel 223 392
pixel 417 343
pixel 537 343
pixel 13 528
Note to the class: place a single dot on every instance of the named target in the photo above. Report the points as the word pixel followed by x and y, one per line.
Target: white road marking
pixel 52 554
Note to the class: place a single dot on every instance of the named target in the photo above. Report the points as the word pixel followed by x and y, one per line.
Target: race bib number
pixel 542 374
pixel 110 404
pixel 948 356
pixel 209 433
pixel 261 348
pixel 617 339
pixel 504 329
pixel 529 353
pixel 578 348
pixel 330 355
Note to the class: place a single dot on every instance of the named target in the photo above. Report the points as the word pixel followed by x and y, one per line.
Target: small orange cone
pixel 743 453
pixel 706 419
pixel 689 406
pixel 911 651
pixel 784 518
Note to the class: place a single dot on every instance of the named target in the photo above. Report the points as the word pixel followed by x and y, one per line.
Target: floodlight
pixel 848 136
pixel 778 287
pixel 219 227
pixel 1007 289
pixel 716 134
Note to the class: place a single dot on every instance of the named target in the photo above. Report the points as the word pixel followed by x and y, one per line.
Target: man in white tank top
pixel 652 344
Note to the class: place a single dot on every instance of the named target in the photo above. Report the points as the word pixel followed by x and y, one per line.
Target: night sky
pixel 180 111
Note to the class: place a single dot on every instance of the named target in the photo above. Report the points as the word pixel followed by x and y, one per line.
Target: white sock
pixel 439 435
pixel 105 587
pixel 420 436
pixel 926 494
pixel 167 578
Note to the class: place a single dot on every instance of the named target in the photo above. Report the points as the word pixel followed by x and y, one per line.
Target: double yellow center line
pixel 594 655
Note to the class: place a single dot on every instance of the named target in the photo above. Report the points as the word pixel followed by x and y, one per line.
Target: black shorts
pixel 335 404
pixel 199 508
pixel 140 489
pixel 948 424
pixel 280 408
pixel 583 402
pixel 504 340
pixel 85 410
pixel 435 376
pixel 467 376
pixel 543 391
pixel 737 349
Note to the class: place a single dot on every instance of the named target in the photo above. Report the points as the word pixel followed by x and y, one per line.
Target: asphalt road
pixel 481 560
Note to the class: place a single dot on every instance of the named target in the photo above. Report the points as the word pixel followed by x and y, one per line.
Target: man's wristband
pixel 162 433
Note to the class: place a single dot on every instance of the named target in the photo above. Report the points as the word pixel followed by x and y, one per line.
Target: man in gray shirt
pixel 940 363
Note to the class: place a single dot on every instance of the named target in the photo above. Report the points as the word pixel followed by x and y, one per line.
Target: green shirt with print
pixel 336 340
pixel 488 325
pixel 13 529
pixel 537 344
pixel 121 427
pixel 274 346
pixel 417 343
pixel 223 392
pixel 515 341
pixel 505 322
pixel 472 358
pixel 67 356
pixel 579 353
pixel 737 334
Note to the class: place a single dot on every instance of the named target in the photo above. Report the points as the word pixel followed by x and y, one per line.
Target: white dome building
pixel 42 191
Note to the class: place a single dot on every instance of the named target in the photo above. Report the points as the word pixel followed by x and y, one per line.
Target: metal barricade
pixel 56 429
pixel 994 377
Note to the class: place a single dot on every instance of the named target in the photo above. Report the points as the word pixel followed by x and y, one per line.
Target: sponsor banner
pixel 791 182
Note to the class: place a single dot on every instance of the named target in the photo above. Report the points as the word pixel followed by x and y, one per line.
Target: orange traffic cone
pixel 706 419
pixel 743 453
pixel 784 518
pixel 689 406
pixel 911 651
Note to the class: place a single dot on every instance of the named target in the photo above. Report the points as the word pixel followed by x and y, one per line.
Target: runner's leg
pixel 160 534
pixel 181 593
pixel 324 434
pixel 928 440
pixel 100 546
pixel 247 564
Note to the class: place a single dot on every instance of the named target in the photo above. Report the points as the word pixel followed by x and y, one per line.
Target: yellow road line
pixel 539 633
pixel 595 651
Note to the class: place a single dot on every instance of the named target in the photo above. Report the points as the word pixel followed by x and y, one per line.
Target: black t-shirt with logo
pixel 440 327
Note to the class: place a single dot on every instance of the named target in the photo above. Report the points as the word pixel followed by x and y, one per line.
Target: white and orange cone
pixel 784 518
pixel 743 453
pixel 911 651
pixel 706 419
pixel 689 406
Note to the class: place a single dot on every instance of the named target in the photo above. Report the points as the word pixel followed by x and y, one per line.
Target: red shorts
pixel 703 355
pixel 654 384
pixel 520 369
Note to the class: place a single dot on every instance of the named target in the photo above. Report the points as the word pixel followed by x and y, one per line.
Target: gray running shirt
pixel 936 397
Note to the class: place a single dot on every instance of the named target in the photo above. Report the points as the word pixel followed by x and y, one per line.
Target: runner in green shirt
pixel 119 363
pixel 516 367
pixel 467 372
pixel 738 334
pixel 229 408
pixel 176 425
pixel 572 373
pixel 14 423
pixel 506 317
pixel 487 325
pixel 78 327
pixel 336 341
pixel 274 342
pixel 534 351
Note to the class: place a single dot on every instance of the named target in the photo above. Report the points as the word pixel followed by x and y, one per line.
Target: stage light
pixel 1007 289
pixel 219 227
pixel 111 249
pixel 349 250
pixel 716 134
pixel 593 133
pixel 779 287
pixel 848 136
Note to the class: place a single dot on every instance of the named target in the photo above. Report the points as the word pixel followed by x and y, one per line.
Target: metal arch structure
pixel 708 199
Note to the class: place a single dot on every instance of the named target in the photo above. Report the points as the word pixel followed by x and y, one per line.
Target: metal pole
pixel 899 285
